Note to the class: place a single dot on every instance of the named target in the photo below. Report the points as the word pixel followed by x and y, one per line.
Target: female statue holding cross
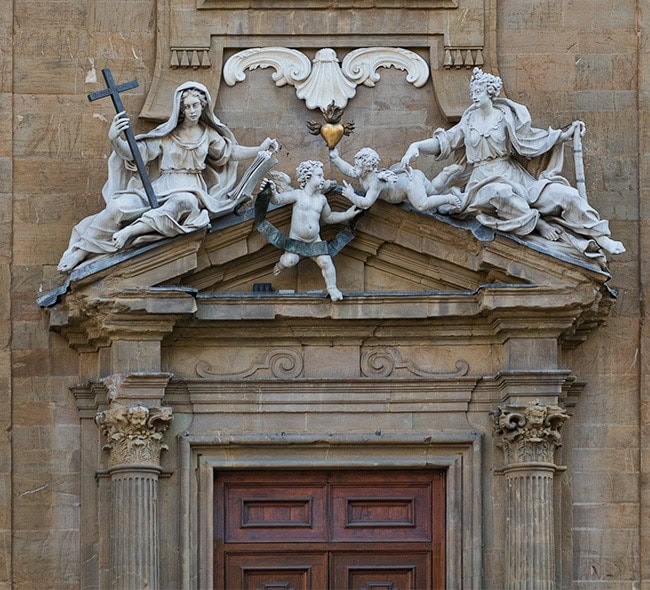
pixel 192 161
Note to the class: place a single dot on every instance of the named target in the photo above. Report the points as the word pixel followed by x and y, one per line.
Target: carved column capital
pixel 529 434
pixel 134 434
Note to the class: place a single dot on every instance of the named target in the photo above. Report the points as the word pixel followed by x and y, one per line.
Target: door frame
pixel 459 453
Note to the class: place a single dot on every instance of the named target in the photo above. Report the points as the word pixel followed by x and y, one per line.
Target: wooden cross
pixel 113 90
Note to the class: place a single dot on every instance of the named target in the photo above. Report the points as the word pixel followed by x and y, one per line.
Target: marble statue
pixel 310 208
pixel 395 185
pixel 513 182
pixel 192 161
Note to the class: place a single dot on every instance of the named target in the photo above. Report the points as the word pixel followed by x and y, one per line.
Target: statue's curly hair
pixel 305 170
pixel 368 157
pixel 492 83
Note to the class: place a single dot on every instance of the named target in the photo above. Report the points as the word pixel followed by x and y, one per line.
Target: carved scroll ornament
pixel 325 81
pixel 529 433
pixel 281 363
pixel 378 363
pixel 134 434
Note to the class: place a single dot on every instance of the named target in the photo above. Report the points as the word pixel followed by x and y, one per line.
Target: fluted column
pixel 529 436
pixel 134 438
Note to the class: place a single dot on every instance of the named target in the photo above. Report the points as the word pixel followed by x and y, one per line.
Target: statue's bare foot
pixel 120 238
pixel 610 246
pixel 277 269
pixel 548 231
pixel 70 259
pixel 335 294
pixel 454 202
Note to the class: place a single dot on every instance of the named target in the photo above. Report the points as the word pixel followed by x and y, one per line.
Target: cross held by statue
pixel 113 90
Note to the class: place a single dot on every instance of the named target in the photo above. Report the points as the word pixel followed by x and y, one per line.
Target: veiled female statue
pixel 513 182
pixel 192 161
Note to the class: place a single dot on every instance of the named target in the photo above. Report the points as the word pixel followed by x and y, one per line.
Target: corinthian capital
pixel 134 434
pixel 529 433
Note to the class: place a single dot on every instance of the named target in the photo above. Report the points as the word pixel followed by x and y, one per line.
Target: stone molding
pixel 190 57
pixel 529 434
pixel 325 82
pixel 386 362
pixel 377 362
pixel 433 26
pixel 134 434
pixel 463 57
pixel 278 363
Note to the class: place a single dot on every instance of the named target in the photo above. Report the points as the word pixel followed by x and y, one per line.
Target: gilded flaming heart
pixel 333 130
pixel 332 134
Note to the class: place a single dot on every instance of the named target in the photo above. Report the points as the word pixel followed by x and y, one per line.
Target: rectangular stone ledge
pixel 317 331
pixel 236 306
pixel 309 396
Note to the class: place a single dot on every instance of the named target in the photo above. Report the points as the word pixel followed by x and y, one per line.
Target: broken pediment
pixel 402 265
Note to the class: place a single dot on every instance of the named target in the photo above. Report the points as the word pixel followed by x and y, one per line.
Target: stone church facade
pixel 472 414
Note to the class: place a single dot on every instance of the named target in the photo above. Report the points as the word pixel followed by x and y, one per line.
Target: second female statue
pixel 513 181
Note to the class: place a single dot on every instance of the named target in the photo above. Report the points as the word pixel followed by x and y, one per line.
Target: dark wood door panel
pixel 329 530
pixel 381 570
pixel 275 513
pixel 276 571
pixel 391 513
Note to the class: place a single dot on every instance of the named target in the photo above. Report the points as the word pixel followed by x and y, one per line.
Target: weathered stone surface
pixel 563 58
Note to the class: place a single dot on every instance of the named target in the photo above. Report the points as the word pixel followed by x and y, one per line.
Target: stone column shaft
pixel 530 551
pixel 134 529
pixel 135 442
pixel 529 437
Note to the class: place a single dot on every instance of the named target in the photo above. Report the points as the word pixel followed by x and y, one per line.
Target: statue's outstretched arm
pixel 242 152
pixel 342 165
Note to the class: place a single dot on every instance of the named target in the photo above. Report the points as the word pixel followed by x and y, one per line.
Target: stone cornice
pixel 134 314
pixel 491 314
pixel 482 287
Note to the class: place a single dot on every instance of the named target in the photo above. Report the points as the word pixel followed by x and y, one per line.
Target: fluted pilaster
pixel 134 436
pixel 529 436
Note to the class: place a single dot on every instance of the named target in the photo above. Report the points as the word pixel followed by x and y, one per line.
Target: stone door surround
pixel 459 453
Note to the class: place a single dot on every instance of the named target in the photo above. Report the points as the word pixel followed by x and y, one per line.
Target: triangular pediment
pixel 395 250
pixel 400 264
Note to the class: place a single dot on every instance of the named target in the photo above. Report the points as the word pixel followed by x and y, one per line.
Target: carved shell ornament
pixel 324 81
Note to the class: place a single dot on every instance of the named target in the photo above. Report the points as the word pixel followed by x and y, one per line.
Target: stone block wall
pixel 578 59
pixel 6 104
pixel 644 234
pixel 59 150
pixel 564 59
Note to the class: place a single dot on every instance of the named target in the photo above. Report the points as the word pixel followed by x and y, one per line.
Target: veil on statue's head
pixel 220 176
pixel 207 116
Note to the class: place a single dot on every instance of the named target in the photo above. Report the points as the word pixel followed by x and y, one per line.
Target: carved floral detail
pixel 282 363
pixel 134 434
pixel 529 433
pixel 325 81
pixel 383 362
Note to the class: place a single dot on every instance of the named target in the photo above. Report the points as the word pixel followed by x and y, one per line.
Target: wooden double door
pixel 329 530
